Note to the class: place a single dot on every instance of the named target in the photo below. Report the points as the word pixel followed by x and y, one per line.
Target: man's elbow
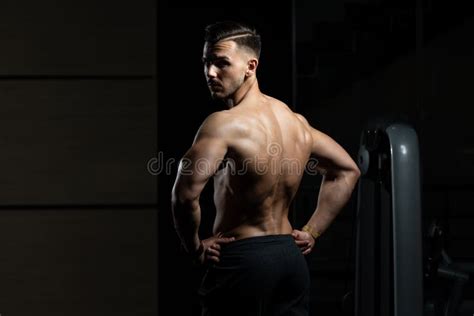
pixel 350 175
pixel 353 175
pixel 356 173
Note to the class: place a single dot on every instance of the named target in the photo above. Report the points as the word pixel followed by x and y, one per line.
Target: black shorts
pixel 265 275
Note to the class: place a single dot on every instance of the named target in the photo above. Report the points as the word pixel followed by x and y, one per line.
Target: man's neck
pixel 248 88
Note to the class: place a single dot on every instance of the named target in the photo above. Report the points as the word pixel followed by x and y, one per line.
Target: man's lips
pixel 214 85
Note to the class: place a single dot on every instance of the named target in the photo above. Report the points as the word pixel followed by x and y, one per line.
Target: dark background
pixel 92 91
pixel 355 61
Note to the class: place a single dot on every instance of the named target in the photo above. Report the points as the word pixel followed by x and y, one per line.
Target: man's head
pixel 230 57
pixel 243 35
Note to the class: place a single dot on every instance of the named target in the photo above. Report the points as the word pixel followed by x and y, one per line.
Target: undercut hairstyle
pixel 242 34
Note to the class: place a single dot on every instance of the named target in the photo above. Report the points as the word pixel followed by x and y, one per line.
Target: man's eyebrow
pixel 214 58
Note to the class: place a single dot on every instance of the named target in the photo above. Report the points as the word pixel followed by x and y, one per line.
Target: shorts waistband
pixel 266 239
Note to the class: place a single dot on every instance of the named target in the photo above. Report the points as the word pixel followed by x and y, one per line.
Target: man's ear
pixel 252 65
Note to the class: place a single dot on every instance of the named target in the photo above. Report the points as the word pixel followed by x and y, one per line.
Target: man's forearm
pixel 187 217
pixel 334 193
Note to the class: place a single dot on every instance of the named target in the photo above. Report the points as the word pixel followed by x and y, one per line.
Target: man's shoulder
pixel 217 117
pixel 218 120
pixel 220 123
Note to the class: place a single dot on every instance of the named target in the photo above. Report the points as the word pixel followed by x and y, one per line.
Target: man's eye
pixel 221 63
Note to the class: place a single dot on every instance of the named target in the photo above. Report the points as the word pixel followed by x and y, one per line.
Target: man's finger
pixel 213 258
pixel 295 234
pixel 301 243
pixel 213 252
pixel 224 240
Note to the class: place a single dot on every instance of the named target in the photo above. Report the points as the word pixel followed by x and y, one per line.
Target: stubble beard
pixel 221 95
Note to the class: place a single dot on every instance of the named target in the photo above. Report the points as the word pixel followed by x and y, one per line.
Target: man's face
pixel 225 65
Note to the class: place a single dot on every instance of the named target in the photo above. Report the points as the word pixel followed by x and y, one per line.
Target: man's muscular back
pixel 266 149
pixel 256 152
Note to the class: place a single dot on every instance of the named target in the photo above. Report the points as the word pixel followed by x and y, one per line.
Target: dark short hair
pixel 247 35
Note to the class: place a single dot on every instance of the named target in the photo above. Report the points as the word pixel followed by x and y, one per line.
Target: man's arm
pixel 340 175
pixel 197 166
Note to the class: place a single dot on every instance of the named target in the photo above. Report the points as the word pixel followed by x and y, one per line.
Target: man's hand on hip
pixel 211 248
pixel 303 240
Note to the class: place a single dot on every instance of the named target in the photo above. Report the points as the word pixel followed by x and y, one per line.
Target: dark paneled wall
pixel 76 261
pixel 77 129
pixel 77 37
pixel 77 141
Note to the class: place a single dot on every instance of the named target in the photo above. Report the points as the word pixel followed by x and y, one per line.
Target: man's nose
pixel 211 71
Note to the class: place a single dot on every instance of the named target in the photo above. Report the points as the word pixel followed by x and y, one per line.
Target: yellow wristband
pixel 308 229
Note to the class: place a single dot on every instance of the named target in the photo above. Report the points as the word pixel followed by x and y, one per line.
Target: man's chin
pixel 217 96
